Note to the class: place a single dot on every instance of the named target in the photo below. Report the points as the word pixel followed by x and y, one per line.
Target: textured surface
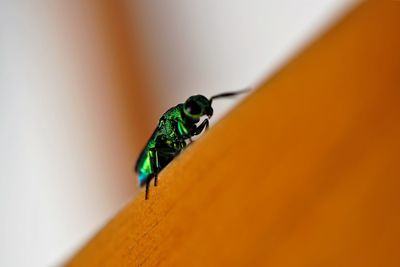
pixel 305 172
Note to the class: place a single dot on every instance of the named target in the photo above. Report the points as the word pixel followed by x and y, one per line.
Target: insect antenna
pixel 229 94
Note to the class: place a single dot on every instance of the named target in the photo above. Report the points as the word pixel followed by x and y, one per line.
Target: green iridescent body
pixel 174 130
pixel 168 139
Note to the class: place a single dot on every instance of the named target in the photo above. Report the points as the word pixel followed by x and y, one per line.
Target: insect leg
pixel 201 127
pixel 147 189
pixel 155 165
pixel 157 168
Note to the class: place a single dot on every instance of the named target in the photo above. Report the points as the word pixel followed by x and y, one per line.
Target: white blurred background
pixel 67 145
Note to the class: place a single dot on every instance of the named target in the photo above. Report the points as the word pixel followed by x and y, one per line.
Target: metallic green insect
pixel 175 129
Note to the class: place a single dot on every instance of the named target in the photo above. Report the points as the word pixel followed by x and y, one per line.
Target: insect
pixel 175 130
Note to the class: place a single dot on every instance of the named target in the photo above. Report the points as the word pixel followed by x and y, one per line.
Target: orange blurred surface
pixel 305 172
pixel 126 61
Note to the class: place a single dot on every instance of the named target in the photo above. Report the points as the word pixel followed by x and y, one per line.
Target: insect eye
pixel 192 108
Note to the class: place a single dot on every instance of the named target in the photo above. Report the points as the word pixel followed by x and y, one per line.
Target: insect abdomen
pixel 143 167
